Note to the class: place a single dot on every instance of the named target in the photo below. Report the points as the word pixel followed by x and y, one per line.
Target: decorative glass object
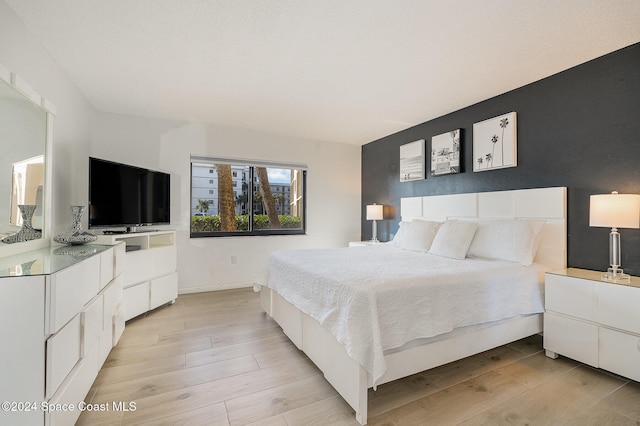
pixel 26 233
pixel 76 235
pixel 76 252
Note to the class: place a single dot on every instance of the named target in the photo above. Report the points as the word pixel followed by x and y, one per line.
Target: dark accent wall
pixel 579 128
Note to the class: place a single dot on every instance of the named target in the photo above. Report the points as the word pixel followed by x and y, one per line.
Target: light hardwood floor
pixel 217 359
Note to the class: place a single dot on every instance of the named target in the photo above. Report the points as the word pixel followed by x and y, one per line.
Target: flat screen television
pixel 126 196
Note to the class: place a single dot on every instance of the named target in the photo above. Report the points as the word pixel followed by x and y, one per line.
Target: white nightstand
pixel 593 321
pixel 363 243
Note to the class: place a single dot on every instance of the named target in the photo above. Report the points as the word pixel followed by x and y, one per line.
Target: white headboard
pixel 549 204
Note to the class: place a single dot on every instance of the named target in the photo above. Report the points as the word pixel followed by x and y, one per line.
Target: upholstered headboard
pixel 549 204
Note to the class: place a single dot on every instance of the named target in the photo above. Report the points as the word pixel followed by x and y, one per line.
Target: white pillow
pixel 511 240
pixel 453 239
pixel 416 235
pixel 402 234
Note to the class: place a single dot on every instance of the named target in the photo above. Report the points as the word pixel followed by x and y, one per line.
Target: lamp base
pixel 374 232
pixel 616 275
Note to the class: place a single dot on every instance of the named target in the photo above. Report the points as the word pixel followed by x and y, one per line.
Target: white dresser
pixel 151 276
pixel 61 313
pixel 593 321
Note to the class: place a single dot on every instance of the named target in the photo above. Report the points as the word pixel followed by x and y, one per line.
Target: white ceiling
pixel 348 71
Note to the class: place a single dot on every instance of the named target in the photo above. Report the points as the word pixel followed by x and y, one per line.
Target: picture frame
pixel 445 153
pixel 412 163
pixel 495 143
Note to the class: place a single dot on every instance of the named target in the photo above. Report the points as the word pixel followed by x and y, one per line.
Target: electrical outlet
pixel 234 259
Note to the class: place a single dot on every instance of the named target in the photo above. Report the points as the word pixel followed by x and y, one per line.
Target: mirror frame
pixel 21 86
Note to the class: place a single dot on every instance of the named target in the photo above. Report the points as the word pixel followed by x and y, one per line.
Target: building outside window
pixel 246 197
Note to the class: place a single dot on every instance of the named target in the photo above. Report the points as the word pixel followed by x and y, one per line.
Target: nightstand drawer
pixel 572 338
pixel 571 296
pixel 619 307
pixel 620 352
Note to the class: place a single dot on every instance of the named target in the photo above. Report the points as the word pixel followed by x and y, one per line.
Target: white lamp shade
pixel 374 212
pixel 615 210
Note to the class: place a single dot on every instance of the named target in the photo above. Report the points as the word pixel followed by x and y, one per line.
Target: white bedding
pixel 377 298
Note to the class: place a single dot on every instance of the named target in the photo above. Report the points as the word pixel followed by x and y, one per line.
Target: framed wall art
pixel 445 153
pixel 495 143
pixel 412 161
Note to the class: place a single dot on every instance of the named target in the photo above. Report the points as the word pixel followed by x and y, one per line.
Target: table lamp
pixel 374 212
pixel 616 211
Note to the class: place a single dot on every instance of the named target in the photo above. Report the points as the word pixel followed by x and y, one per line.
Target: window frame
pixel 252 164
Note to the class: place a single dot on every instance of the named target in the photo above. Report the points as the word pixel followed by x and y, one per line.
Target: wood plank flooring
pixel 217 359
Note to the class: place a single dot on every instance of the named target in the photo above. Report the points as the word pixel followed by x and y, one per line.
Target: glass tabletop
pixel 47 260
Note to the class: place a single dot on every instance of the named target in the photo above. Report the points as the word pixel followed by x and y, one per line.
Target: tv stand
pixel 128 230
pixel 150 276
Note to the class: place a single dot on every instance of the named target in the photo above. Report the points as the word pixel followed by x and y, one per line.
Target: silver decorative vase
pixel 26 233
pixel 76 235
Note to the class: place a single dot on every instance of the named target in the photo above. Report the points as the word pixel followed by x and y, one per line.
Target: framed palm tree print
pixel 495 143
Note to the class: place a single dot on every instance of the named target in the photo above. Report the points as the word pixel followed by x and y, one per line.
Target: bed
pixel 370 315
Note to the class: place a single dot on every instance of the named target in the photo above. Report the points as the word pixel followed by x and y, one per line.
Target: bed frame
pixel 349 378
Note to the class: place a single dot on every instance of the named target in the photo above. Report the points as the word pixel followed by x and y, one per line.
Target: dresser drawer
pixel 92 324
pixel 118 324
pixel 163 290
pixel 73 390
pixel 136 300
pixel 571 338
pixel 105 342
pixel 63 352
pixel 142 270
pixel 571 296
pixel 112 301
pixel 112 298
pixel 620 353
pixel 70 289
pixel 119 259
pixel 107 267
pixel 164 260
pixel 619 307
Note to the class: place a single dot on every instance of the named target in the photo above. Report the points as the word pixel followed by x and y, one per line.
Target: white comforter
pixel 377 298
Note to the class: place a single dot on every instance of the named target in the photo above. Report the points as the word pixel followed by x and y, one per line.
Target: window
pixel 249 198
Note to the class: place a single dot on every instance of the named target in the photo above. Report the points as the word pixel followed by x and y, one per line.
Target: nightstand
pixel 363 243
pixel 593 321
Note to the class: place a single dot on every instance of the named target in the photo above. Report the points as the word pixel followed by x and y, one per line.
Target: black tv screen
pixel 126 196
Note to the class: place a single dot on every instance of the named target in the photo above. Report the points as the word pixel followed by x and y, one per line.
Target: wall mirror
pixel 25 146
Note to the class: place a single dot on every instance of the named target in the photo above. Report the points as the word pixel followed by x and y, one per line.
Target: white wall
pixel 333 190
pixel 333 185
pixel 22 54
